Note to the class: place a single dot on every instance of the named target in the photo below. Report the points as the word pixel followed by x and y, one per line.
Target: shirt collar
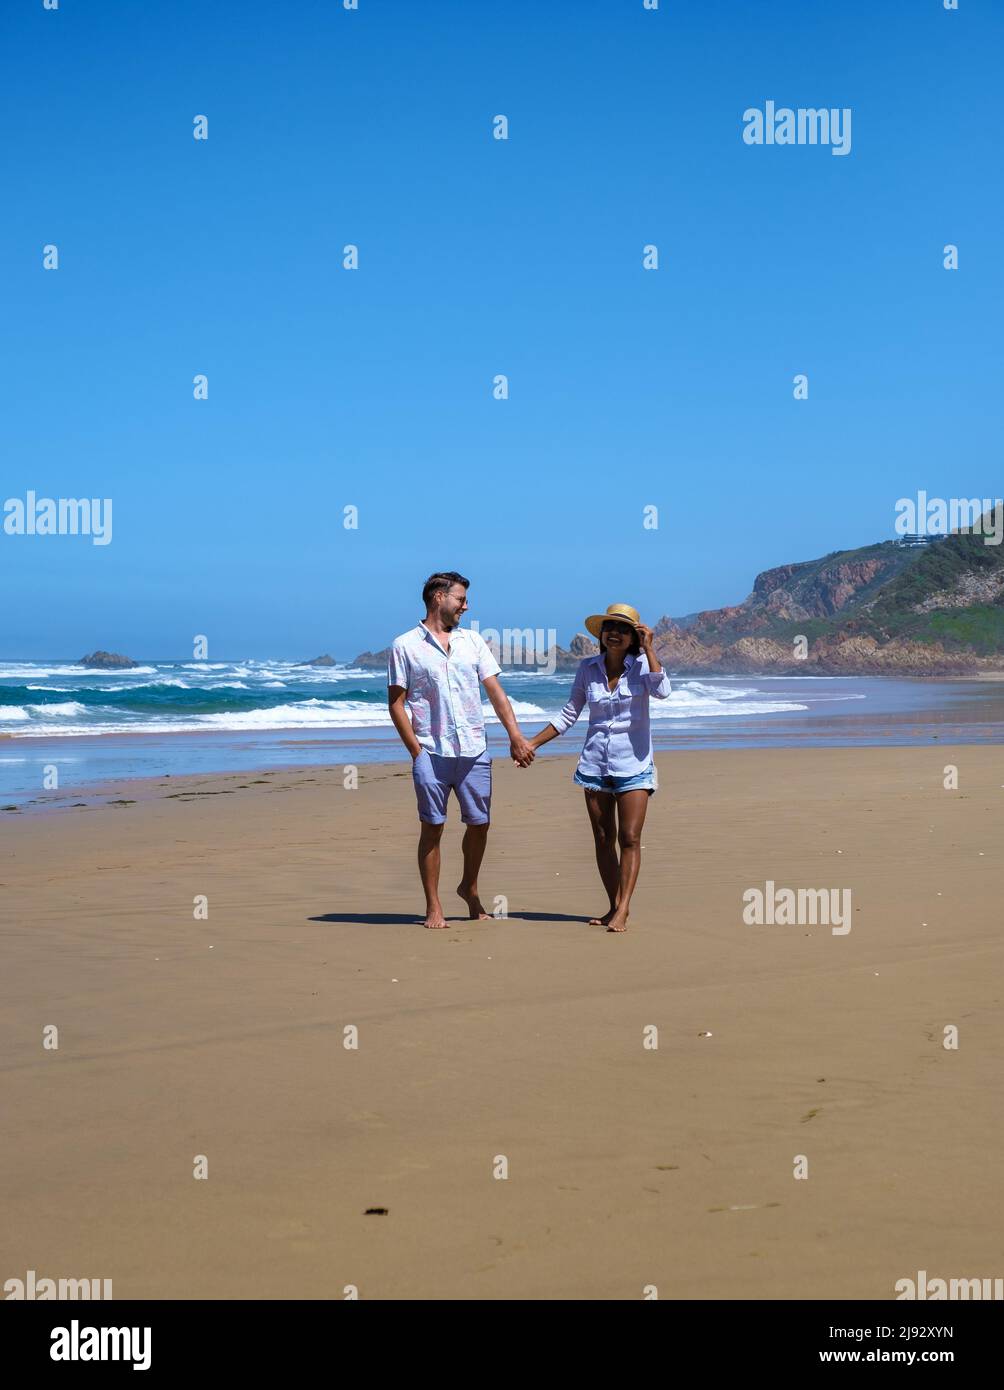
pixel 424 632
pixel 631 656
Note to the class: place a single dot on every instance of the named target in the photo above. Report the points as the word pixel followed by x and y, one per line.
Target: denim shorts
pixel 471 778
pixel 643 781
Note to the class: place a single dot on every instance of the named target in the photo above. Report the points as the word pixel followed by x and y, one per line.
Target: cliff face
pixel 832 655
pixel 936 609
pixel 788 593
pixel 812 589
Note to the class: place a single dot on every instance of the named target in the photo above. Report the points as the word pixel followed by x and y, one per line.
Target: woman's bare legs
pixel 631 808
pixel 600 807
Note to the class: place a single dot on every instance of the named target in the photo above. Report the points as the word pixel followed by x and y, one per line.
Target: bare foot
pixel 618 922
pixel 602 921
pixel 474 904
pixel 434 919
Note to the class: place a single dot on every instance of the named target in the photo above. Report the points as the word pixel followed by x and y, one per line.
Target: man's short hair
pixel 439 583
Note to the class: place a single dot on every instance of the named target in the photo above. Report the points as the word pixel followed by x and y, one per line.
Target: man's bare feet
pixel 618 922
pixel 602 921
pixel 474 904
pixel 434 919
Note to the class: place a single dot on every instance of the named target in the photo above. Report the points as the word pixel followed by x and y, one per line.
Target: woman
pixel 616 767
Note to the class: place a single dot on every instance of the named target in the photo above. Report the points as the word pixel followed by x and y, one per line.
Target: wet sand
pixel 520 1039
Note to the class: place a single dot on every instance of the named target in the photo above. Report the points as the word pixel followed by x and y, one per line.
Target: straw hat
pixel 618 613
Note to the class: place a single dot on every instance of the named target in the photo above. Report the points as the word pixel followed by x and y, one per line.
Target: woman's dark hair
pixel 439 583
pixel 635 646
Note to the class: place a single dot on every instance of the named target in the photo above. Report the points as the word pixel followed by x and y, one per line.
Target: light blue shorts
pixel 643 781
pixel 471 778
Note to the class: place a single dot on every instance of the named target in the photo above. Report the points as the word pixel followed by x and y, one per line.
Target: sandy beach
pixel 524 1038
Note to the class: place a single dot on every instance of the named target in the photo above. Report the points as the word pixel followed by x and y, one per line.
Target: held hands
pixel 521 751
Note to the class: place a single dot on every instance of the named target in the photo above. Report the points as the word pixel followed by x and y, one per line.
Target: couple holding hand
pixel 433 675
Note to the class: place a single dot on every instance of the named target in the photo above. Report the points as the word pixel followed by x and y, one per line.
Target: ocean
pixel 168 717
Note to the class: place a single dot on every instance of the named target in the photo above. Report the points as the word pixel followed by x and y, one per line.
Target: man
pixel 433 672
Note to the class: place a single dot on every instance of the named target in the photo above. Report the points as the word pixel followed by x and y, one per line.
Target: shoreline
pixel 121 787
pixel 809 713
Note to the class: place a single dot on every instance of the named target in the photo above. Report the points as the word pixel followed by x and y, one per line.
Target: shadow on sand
pixel 394 919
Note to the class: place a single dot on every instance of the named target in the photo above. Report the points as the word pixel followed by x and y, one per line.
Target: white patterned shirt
pixel 444 694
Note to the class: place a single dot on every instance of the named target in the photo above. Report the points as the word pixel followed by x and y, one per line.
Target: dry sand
pixel 524 1038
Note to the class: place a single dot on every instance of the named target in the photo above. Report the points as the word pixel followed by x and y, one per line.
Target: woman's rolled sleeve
pixel 658 685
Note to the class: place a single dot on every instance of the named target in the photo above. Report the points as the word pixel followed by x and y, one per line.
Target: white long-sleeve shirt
pixel 619 737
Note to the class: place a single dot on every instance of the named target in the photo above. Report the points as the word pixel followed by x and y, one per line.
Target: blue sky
pixel 330 387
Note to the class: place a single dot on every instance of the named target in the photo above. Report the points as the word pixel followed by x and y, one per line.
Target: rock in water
pixel 324 660
pixel 372 660
pixel 108 661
